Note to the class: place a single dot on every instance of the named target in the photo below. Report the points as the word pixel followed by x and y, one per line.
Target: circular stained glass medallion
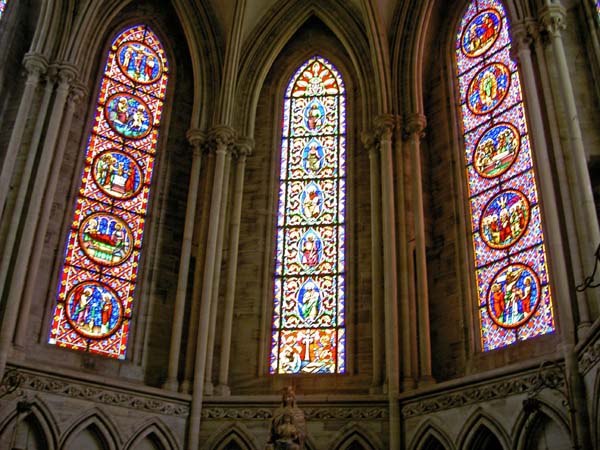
pixel 128 115
pixel 504 219
pixel 106 239
pixel 139 62
pixel 496 150
pixel 488 88
pixel 93 309
pixel 513 295
pixel 117 174
pixel 481 33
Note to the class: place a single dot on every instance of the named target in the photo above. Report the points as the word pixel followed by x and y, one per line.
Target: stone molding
pixel 98 394
pixel 517 385
pixel 341 412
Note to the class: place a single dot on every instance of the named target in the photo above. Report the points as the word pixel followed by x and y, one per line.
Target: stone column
pixel 196 139
pixel 384 126
pixel 405 300
pixel 77 93
pixel 20 267
pixel 190 351
pixel 415 126
pixel 19 206
pixel 552 18
pixel 208 384
pixel 371 144
pixel 556 255
pixel 570 211
pixel 243 149
pixel 222 136
pixel 522 41
pixel 35 64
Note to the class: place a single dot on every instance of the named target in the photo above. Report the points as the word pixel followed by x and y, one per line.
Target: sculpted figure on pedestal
pixel 288 429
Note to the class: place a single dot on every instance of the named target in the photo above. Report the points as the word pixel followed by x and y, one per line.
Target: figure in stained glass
pixel 496 150
pixel 488 88
pixel 513 296
pixel 314 115
pixel 128 115
pixel 312 157
pixel 139 62
pixel 311 250
pixel 312 201
pixel 507 231
pixel 106 239
pixel 504 219
pixel 308 320
pixel 481 33
pixel 93 309
pixel 309 301
pixel 98 277
pixel 117 174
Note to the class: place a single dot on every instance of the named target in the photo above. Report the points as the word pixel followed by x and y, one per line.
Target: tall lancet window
pixel 2 7
pixel 514 298
pixel 94 303
pixel 308 320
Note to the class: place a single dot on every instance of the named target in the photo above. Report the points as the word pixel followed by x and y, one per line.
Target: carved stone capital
pixel 521 39
pixel 67 73
pixel 35 64
pixel 553 19
pixel 243 147
pixel 195 137
pixel 384 126
pixel 222 137
pixel 77 93
pixel 415 124
pixel 370 141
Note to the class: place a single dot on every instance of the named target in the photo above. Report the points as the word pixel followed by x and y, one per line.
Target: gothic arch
pixel 354 433
pixel 157 431
pixel 39 418
pixel 236 433
pixel 429 433
pixel 270 36
pixel 479 428
pixel 415 35
pixel 99 423
pixel 85 23
pixel 528 426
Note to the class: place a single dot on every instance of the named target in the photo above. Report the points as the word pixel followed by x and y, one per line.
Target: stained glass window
pixel 308 320
pixel 514 298
pixel 2 7
pixel 598 8
pixel 98 278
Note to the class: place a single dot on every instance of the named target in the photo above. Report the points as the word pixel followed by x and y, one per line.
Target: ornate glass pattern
pixel 308 322
pixel 98 278
pixel 2 7
pixel 508 241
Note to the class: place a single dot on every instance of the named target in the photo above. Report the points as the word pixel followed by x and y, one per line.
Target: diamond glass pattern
pixel 98 279
pixel 508 241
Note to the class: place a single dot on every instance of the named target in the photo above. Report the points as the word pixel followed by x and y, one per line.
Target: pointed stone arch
pixel 38 424
pixel 153 430
pixel 276 29
pixel 430 436
pixel 96 425
pixel 546 424
pixel 235 436
pixel 354 437
pixel 483 431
